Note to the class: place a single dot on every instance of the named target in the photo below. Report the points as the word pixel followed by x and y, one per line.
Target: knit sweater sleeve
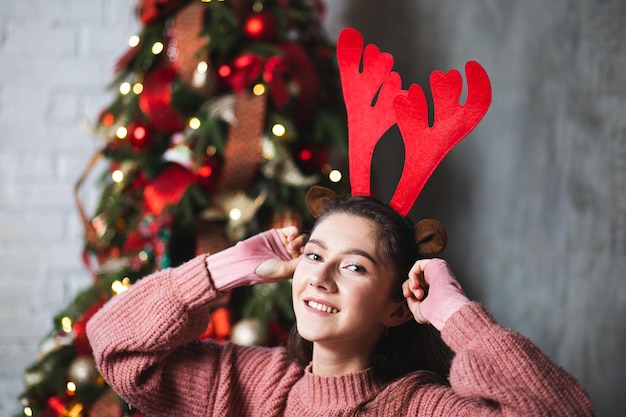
pixel 145 340
pixel 499 372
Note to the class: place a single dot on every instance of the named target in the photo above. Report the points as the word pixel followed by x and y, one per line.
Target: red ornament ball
pixel 107 119
pixel 139 135
pixel 208 172
pixel 262 26
pixel 311 158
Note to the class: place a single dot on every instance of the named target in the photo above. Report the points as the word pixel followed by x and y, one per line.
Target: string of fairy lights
pixel 278 130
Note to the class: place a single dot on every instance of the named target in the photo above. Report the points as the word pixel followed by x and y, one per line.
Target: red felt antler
pixel 375 101
pixel 426 146
pixel 367 120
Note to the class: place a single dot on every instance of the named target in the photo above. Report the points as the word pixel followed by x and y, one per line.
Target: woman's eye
pixel 356 268
pixel 313 256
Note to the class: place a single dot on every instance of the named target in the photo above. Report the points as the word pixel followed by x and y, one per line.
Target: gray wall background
pixel 534 199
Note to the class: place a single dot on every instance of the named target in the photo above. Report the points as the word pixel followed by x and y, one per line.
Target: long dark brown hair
pixel 406 348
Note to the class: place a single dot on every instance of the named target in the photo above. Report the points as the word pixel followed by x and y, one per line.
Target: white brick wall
pixel 56 59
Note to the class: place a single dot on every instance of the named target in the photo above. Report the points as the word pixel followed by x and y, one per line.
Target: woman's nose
pixel 322 278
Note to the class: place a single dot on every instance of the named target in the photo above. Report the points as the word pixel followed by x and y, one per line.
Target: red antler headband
pixel 425 146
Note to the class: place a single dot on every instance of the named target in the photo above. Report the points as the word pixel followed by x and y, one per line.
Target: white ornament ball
pixel 248 332
pixel 82 371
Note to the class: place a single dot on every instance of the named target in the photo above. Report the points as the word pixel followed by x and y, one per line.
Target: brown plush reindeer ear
pixel 430 237
pixel 316 197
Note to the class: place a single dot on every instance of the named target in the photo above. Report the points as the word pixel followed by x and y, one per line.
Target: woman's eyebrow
pixel 360 252
pixel 347 251
pixel 317 242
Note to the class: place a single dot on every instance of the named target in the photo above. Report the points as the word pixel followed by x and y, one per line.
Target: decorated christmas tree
pixel 225 113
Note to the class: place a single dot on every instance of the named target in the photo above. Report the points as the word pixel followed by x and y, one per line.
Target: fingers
pixel 417 271
pixel 291 232
pixel 295 245
pixel 414 299
pixel 417 284
pixel 292 239
pixel 414 289
pixel 287 234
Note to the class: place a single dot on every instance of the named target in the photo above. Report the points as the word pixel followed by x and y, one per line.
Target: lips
pixel 315 305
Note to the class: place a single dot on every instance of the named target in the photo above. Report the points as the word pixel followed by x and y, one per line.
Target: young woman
pixel 367 339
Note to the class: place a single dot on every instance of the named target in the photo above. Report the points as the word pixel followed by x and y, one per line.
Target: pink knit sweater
pixel 145 344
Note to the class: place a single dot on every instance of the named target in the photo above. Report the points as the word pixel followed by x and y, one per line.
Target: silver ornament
pixel 248 332
pixel 82 371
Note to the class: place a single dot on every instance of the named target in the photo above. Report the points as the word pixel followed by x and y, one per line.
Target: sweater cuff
pixel 466 325
pixel 234 267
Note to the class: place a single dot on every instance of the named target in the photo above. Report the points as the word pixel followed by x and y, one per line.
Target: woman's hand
pixel 414 289
pixel 432 292
pixel 277 269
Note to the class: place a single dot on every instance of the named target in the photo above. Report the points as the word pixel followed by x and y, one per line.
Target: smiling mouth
pixel 321 307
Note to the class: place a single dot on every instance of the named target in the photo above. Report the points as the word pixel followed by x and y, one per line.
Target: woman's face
pixel 341 289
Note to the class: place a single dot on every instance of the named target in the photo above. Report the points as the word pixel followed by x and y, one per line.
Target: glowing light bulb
pixel 66 324
pixel 254 26
pixel 258 89
pixel 28 411
pixel 235 214
pixel 224 71
pixel 335 175
pixel 279 130
pixel 117 176
pixel 137 88
pixel 202 67
pixel 205 171
pixel 108 119
pixel 118 286
pixel 199 77
pixel 157 48
pixel 194 123
pixel 139 133
pixel 71 387
pixel 306 154
pixel 121 132
pixel 125 88
pixel 133 41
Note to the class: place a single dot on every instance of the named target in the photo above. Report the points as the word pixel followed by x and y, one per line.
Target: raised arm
pixel 495 371
pixel 145 340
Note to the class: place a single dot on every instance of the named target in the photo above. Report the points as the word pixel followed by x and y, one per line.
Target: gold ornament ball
pixel 82 371
pixel 248 332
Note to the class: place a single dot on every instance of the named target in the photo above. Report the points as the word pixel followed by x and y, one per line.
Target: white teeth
pixel 321 307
